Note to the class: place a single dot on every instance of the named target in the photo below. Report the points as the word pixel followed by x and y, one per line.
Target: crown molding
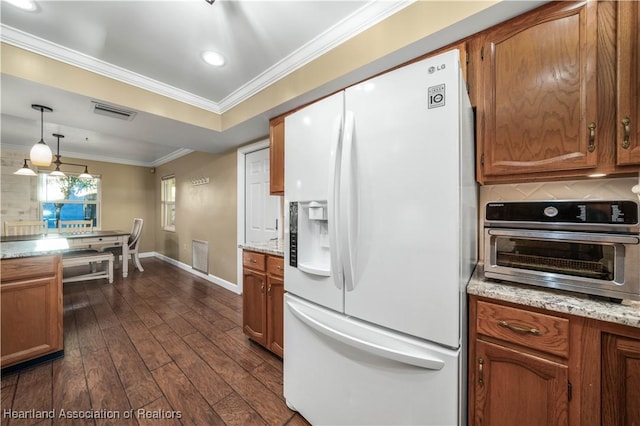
pixel 359 21
pixel 63 54
pixel 370 14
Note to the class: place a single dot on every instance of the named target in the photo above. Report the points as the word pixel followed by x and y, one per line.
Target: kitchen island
pixel 551 356
pixel 31 304
pixel 31 294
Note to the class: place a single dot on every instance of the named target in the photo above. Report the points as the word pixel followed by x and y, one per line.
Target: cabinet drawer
pixel 28 267
pixel 537 331
pixel 253 260
pixel 96 241
pixel 275 266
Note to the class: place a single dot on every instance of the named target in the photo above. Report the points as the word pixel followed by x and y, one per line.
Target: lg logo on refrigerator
pixel 436 96
pixel 437 68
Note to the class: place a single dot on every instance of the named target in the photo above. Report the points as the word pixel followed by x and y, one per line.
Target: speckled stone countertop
pixel 15 249
pixel 275 247
pixel 627 312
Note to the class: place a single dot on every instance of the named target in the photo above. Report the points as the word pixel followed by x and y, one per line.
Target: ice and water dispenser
pixel 309 248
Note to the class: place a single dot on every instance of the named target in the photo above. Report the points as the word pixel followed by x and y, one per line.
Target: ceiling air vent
pixel 112 111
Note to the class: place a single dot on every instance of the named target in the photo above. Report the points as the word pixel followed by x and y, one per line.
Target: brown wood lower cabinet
pixel 31 303
pixel 536 367
pixel 263 300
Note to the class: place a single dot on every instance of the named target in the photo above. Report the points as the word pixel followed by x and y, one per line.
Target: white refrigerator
pixel 380 242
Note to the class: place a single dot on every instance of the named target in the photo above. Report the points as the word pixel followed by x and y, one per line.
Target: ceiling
pixel 156 46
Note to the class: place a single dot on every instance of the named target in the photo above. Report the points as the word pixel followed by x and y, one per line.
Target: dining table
pixel 25 245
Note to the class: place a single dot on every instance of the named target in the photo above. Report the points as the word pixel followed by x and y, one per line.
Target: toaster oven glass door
pixel 577 258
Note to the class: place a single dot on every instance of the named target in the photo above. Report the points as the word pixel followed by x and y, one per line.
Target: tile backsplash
pixel 591 189
pixel 586 189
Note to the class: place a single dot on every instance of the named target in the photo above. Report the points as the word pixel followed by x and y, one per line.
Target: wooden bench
pixel 88 258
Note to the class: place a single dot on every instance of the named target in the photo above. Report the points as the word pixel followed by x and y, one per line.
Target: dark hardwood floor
pixel 158 347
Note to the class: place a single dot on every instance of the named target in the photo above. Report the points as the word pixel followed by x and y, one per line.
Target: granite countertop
pixel 275 247
pixel 16 249
pixel 627 312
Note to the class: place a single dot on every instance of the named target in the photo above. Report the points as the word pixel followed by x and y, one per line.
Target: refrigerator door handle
pixel 347 203
pixel 333 204
pixel 366 339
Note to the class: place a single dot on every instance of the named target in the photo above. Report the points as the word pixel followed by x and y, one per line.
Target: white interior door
pixel 262 211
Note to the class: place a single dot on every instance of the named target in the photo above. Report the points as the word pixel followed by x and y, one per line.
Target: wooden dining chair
pixel 75 226
pixel 133 243
pixel 25 227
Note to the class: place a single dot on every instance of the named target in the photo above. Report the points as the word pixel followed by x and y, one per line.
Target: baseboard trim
pixel 211 278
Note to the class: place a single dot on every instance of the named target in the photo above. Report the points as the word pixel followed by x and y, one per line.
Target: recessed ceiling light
pixel 29 5
pixel 213 58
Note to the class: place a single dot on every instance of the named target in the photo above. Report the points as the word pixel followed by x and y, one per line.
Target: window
pixel 168 200
pixel 69 198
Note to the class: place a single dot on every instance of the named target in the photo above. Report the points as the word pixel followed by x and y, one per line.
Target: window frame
pixel 168 206
pixel 42 182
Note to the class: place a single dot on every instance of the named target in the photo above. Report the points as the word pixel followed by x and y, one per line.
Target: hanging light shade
pixel 41 154
pixel 25 170
pixel 85 174
pixel 57 172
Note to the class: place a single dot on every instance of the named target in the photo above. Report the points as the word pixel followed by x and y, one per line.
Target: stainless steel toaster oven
pixel 590 247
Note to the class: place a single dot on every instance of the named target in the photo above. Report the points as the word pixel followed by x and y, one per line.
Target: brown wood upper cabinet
pixel 276 156
pixel 538 110
pixel 628 88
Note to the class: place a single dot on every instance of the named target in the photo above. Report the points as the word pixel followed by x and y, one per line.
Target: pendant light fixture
pixel 40 154
pixel 57 172
pixel 25 170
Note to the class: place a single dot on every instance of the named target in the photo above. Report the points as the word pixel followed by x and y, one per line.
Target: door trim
pixel 242 152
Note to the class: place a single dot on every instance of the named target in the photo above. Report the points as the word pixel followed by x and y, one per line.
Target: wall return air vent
pixel 112 111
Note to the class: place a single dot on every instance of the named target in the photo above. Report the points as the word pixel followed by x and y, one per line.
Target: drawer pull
pixel 279 268
pixel 626 126
pixel 519 329
pixel 481 372
pixel 253 261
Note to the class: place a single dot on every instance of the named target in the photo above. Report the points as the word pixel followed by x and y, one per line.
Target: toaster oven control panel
pixel 588 212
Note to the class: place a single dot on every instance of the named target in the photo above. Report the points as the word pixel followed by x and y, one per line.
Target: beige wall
pixel 127 192
pixel 203 212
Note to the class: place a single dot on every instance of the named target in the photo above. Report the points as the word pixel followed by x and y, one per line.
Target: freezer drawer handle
pixel 422 360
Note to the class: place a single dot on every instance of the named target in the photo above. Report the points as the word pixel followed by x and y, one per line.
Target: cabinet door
pixel 276 156
pixel 275 315
pixel 628 119
pixel 620 380
pixel 31 318
pixel 515 388
pixel 254 314
pixel 540 105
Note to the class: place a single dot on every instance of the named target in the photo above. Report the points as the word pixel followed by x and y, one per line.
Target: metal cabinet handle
pixel 481 372
pixel 253 261
pixel 269 291
pixel 592 137
pixel 519 329
pixel 261 286
pixel 626 126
